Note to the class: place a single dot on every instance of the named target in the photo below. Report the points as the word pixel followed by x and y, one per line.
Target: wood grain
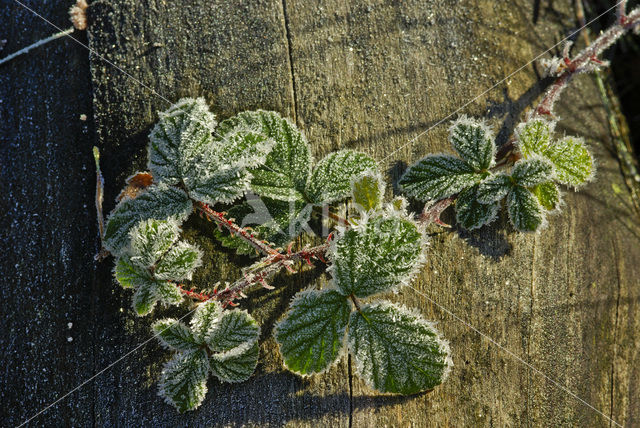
pixel 368 75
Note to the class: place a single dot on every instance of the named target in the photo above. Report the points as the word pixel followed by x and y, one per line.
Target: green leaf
pixel 145 297
pixel 376 256
pixel 367 191
pixel 311 337
pixel 150 239
pixel 472 214
pixel 179 137
pixel 286 170
pixel 532 171
pixel 128 274
pixel 524 209
pixel 397 350
pixel 534 137
pixel 168 293
pixel 572 161
pixel 173 334
pixel 213 183
pixel 235 328
pixel 236 365
pixel 183 382
pixel 332 176
pixel 179 262
pixel 243 147
pixel 548 195
pixel 159 202
pixel 473 140
pixel 494 188
pixel 437 177
pixel 205 317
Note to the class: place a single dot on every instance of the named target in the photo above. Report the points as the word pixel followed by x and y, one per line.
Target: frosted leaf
pixel 376 256
pixel 173 334
pixel 331 178
pixel 207 314
pixel 222 174
pixel 179 262
pixel 437 177
pixel 286 170
pixel 243 147
pixel 532 171
pixel 472 214
pixel 145 297
pixel 234 328
pixel 397 350
pixel 179 137
pixel 168 293
pixel 150 239
pixel 494 188
pixel 572 161
pixel 524 209
pixel 183 382
pixel 548 195
pixel 473 140
pixel 534 136
pixel 236 365
pixel 159 202
pixel 216 183
pixel 367 190
pixel 128 274
pixel 311 337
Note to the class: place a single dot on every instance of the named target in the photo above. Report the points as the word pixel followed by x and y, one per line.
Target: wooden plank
pixel 47 225
pixel 235 54
pixel 373 75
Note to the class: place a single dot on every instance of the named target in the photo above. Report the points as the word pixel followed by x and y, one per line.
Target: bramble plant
pixel 260 166
pixel 195 163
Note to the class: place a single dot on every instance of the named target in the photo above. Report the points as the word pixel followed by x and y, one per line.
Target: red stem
pixel 582 59
pixel 219 218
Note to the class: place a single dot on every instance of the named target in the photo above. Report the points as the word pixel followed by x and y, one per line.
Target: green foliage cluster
pixel 529 187
pixel 258 155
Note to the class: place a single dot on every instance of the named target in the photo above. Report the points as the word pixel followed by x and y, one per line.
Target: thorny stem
pixel 219 218
pixel 259 273
pixel 580 63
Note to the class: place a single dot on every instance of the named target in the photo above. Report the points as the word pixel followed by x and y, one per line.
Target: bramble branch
pixel 587 60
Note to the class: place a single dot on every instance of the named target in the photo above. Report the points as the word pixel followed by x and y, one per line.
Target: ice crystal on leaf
pixel 397 350
pixel 332 176
pixel 223 343
pixel 367 191
pixel 377 255
pixel 157 202
pixel 311 337
pixel 529 187
pixel 153 262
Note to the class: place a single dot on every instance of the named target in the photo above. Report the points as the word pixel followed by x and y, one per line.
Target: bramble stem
pixel 581 62
pixel 36 44
pixel 219 218
pixel 259 273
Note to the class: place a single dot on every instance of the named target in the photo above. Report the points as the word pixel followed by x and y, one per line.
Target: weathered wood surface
pixel 365 75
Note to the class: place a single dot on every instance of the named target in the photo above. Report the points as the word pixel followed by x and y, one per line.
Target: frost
pixel 332 176
pixel 378 255
pixel 157 202
pixel 311 336
pixel 150 239
pixel 572 161
pixel 438 176
pixel 224 343
pixel 494 188
pixel 473 140
pixel 473 214
pixel 397 350
pixel 532 171
pixel 179 262
pixel 367 191
pixel 525 211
